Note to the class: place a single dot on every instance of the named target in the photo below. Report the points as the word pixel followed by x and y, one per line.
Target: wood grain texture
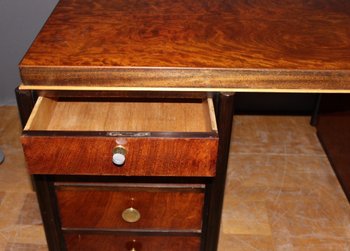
pixel 145 156
pixel 96 242
pixel 200 44
pixel 114 115
pixel 41 113
pixel 96 208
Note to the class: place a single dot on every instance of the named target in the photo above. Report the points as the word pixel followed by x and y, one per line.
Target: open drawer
pixel 113 137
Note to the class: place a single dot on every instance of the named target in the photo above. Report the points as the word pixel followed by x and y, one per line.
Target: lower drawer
pixel 98 242
pixel 131 206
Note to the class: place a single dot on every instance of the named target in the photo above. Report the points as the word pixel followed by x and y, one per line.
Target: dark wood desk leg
pixel 315 112
pixel 25 103
pixel 48 208
pixel 44 188
pixel 217 186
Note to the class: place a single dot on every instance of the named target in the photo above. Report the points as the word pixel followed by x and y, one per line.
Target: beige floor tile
pixel 3 242
pixel 231 242
pixel 25 234
pixel 241 147
pixel 273 129
pixel 8 234
pixel 2 194
pixel 268 148
pixel 306 218
pixel 10 209
pixel 30 234
pixel 304 149
pixel 321 244
pixel 274 135
pixel 245 218
pixel 25 247
pixel 13 173
pixel 256 170
pixel 276 175
pixel 294 223
pixel 271 194
pixel 30 211
pixel 279 163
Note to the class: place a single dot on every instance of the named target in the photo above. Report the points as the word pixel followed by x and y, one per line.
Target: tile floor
pixel 281 193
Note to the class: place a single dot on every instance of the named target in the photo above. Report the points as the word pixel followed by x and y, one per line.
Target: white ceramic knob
pixel 119 155
pixel 118 159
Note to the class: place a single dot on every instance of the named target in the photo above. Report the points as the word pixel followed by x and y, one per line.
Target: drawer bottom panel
pixel 108 242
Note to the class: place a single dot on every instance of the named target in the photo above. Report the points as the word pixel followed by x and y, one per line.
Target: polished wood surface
pixel 96 242
pixel 260 45
pixel 146 156
pixel 102 207
pixel 113 115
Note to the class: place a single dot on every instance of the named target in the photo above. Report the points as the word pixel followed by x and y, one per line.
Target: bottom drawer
pixel 106 242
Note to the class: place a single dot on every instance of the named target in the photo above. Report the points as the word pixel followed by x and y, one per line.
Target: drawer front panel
pixel 151 156
pixel 97 242
pixel 91 208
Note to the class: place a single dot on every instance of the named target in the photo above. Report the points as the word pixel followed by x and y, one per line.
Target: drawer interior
pixel 62 114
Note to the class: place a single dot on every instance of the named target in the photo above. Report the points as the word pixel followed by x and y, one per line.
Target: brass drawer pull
pixel 131 215
pixel 119 155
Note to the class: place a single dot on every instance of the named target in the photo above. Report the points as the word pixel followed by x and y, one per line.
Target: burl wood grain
pixel 95 208
pixel 194 44
pixel 97 242
pixel 145 156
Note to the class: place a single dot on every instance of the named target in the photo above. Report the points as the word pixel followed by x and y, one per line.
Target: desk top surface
pixel 271 45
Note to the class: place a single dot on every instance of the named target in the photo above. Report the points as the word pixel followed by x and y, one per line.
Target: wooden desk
pixel 179 50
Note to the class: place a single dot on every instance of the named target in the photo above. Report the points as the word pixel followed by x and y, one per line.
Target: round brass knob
pixel 131 215
pixel 119 155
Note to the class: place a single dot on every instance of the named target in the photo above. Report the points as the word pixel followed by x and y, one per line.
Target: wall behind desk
pixel 20 21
